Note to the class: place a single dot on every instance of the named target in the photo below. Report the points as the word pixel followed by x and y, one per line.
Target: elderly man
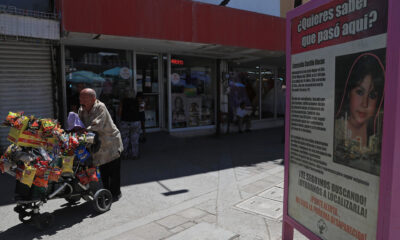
pixel 96 118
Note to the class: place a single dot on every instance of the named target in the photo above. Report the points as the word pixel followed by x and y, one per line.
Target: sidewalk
pixel 227 187
pixel 242 177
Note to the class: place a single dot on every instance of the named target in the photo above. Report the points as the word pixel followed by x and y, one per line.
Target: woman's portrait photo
pixel 359 96
pixel 178 110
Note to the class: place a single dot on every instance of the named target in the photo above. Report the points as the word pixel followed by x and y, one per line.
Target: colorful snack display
pixel 42 155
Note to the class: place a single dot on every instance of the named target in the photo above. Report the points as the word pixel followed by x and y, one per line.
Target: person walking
pixel 96 118
pixel 130 125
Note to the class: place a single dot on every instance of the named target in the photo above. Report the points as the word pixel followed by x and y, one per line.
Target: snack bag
pixel 67 164
pixel 27 175
pixel 11 117
pixel 34 124
pixel 40 182
pixel 92 174
pixel 73 142
pixel 5 165
pixel 14 120
pixel 41 170
pixel 82 154
pixel 55 174
pixel 29 138
pixel 19 171
pixel 15 131
pixel 48 125
pixel 83 178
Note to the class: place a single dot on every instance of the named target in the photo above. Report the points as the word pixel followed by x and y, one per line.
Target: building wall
pixel 177 20
pixel 287 5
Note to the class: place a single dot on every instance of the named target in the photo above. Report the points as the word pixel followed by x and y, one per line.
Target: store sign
pixel 177 61
pixel 338 53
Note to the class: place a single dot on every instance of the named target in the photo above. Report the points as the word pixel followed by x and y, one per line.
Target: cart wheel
pixel 102 200
pixel 73 200
pixel 43 221
pixel 25 217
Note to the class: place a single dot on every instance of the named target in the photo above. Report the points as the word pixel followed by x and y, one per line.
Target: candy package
pixel 19 171
pixel 28 175
pixel 40 182
pixel 34 124
pixel 83 178
pixel 92 174
pixel 67 164
pixel 16 130
pixel 82 154
pixel 55 174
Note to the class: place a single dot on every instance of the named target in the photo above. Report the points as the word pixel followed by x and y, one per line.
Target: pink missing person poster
pixel 338 54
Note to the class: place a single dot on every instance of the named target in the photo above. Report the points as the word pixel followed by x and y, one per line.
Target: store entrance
pixel 147 84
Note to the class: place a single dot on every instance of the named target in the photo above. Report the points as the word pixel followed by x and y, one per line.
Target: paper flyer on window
pixel 338 54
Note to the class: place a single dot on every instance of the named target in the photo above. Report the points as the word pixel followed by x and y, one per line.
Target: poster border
pixel 389 195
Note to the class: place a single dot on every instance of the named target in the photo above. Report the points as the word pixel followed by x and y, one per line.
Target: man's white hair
pixel 90 92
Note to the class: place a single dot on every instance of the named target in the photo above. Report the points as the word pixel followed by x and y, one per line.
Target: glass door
pixel 268 92
pixel 147 84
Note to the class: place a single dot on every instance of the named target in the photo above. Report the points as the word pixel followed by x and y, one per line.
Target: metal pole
pixel 219 73
pixel 63 85
pixel 169 92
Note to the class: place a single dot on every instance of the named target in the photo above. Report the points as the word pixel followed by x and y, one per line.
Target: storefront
pixel 190 87
pixel 180 66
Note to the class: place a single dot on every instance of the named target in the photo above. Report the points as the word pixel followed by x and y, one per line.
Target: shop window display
pixel 147 83
pixel 267 93
pixel 107 71
pixel 244 85
pixel 192 97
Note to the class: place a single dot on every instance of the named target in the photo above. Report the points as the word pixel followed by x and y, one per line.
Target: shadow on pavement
pixel 167 157
pixel 65 217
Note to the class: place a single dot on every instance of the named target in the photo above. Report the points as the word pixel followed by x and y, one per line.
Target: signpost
pixel 341 137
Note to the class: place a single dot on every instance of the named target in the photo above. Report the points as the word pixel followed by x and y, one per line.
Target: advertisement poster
pixel 194 111
pixel 178 110
pixel 338 54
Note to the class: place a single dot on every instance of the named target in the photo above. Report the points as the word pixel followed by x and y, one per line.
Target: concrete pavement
pixel 227 187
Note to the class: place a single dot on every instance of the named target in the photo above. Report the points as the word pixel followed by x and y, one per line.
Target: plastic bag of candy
pixel 55 174
pixel 28 175
pixel 82 154
pixel 67 165
pixel 92 174
pixel 83 178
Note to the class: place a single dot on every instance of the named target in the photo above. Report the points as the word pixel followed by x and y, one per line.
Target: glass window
pixel 147 73
pixel 147 84
pixel 107 71
pixel 267 93
pixel 244 87
pixel 192 86
pixel 281 94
